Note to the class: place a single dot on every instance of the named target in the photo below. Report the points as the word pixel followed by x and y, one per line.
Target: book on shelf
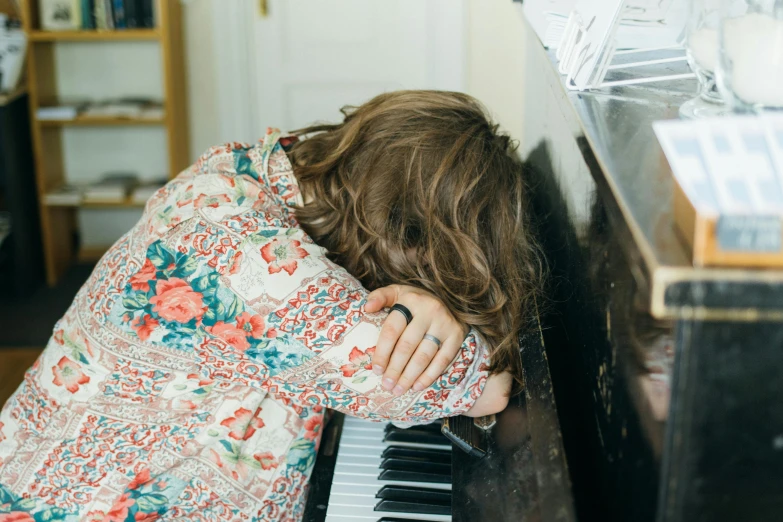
pixel 146 11
pixel 65 196
pixel 108 6
pixel 73 15
pixel 99 10
pixel 88 14
pixel 118 9
pixel 113 188
pixel 124 108
pixel 132 19
pixel 60 15
pixel 128 108
pixel 143 192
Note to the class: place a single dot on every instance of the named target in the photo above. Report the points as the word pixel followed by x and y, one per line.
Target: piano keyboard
pixel 388 474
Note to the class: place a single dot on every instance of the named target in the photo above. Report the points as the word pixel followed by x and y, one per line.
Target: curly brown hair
pixel 427 172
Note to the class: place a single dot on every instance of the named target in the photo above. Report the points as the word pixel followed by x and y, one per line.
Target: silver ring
pixel 433 339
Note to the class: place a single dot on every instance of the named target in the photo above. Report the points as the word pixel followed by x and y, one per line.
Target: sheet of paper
pixel 584 56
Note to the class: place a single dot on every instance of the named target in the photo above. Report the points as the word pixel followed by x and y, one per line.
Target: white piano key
pixel 361 459
pixel 368 513
pixel 364 480
pixel 362 491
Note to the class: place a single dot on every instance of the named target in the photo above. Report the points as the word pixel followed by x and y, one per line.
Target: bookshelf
pixel 59 223
pixel 94 35
pixel 87 121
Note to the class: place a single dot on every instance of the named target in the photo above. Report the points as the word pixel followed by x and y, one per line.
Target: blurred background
pixel 104 100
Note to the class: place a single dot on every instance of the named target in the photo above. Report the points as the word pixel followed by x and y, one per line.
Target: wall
pixel 202 77
pixel 495 67
pixel 496 61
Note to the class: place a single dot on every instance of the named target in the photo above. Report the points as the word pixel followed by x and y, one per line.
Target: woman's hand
pixel 403 356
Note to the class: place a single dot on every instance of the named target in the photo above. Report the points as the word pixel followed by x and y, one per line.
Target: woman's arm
pixel 325 332
pixel 494 398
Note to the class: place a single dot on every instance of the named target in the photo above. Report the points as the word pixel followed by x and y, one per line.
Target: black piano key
pixel 409 493
pixel 424 455
pixel 417 436
pixel 396 506
pixel 416 465
pixel 393 475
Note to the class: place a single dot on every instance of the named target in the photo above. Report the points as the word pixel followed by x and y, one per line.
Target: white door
pixel 308 58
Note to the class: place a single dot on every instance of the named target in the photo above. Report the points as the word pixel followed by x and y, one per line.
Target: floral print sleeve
pixel 189 378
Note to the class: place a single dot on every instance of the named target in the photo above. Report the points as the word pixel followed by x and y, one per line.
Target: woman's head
pixel 419 188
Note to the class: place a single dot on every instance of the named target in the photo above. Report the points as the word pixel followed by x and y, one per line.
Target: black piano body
pixel 668 378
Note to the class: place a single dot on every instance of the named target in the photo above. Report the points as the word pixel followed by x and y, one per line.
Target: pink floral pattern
pixel 144 326
pixel 69 374
pixel 190 377
pixel 358 360
pixel 232 334
pixel 140 280
pixel 243 424
pixel 283 255
pixel 176 301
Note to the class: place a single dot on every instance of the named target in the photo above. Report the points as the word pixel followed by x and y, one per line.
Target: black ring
pixel 404 311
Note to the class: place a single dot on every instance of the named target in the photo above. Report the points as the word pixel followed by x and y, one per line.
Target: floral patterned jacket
pixel 189 378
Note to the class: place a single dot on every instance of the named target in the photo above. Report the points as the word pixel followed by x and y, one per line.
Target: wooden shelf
pixel 128 203
pixel 92 121
pixel 125 204
pixel 91 254
pixel 88 36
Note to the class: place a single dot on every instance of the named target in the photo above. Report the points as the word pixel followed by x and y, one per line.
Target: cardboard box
pixel 703 233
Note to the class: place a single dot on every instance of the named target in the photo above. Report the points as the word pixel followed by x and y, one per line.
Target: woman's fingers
pixel 421 360
pixel 402 353
pixel 442 360
pixel 382 298
pixel 391 330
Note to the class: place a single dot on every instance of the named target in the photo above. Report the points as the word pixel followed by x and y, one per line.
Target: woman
pixel 189 378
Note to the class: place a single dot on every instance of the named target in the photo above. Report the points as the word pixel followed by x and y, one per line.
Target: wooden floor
pixel 13 363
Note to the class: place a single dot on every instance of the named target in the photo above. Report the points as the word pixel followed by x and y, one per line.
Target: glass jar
pixel 701 46
pixel 750 65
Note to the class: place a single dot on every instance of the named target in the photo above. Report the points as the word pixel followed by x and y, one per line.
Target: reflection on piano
pixel 375 472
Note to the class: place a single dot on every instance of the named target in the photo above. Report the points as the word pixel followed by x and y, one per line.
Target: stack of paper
pixel 145 191
pixel 64 196
pixel 113 188
pixel 63 112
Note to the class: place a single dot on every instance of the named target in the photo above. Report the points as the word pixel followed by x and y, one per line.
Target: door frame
pixel 234 26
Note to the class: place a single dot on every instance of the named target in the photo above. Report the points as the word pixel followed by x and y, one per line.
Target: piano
pixel 667 376
pixel 375 472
